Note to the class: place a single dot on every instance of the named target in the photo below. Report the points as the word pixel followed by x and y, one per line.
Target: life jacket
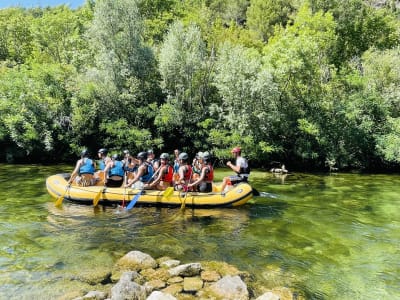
pixel 209 175
pixel 176 166
pixel 148 173
pixel 168 176
pixel 117 170
pixel 102 164
pixel 188 173
pixel 86 167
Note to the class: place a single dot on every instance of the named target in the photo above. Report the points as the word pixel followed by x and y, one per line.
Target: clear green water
pixel 325 236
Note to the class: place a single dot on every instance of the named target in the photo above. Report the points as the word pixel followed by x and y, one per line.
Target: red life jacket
pixel 168 175
pixel 188 173
pixel 209 175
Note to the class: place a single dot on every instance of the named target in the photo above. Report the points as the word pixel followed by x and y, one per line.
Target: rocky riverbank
pixel 139 276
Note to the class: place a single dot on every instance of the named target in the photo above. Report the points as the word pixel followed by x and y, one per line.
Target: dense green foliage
pixel 303 82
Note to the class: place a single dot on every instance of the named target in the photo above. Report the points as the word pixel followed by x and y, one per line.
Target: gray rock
pixel 95 295
pixel 160 296
pixel 136 260
pixel 230 288
pixel 269 296
pixel 127 289
pixel 170 263
pixel 187 270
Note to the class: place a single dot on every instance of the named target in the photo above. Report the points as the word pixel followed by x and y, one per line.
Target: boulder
pixel 127 289
pixel 136 261
pixel 157 295
pixel 187 270
pixel 230 288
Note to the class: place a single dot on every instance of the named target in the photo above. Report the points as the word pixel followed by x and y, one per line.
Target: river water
pixel 325 236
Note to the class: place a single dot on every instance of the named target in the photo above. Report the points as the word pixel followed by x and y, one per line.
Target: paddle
pixel 134 200
pixel 168 192
pixel 137 196
pixel 184 199
pixel 61 197
pixel 97 197
pixel 187 191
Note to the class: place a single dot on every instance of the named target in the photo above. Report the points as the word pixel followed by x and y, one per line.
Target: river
pixel 325 236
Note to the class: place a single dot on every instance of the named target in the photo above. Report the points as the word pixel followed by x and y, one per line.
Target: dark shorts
pixel 235 179
pixel 114 183
pixel 205 187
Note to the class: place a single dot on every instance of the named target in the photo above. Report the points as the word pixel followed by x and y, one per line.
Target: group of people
pixel 144 171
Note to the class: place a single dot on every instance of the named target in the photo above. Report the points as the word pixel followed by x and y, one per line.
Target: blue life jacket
pixel 148 174
pixel 87 167
pixel 176 166
pixel 117 170
pixel 102 165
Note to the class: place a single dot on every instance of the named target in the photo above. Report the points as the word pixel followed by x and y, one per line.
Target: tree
pixel 185 70
pixel 122 83
pixel 264 15
pixel 249 97
pixel 15 35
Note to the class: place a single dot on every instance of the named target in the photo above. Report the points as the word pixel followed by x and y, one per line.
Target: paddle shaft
pixel 137 196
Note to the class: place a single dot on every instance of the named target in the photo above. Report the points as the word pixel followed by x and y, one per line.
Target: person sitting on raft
pixel 165 175
pixel 144 172
pixel 185 173
pixel 104 159
pixel 130 165
pixel 84 170
pixel 204 183
pixel 114 172
pixel 241 167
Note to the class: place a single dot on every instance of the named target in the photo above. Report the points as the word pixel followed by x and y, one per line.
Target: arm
pixel 200 179
pixel 181 173
pixel 75 171
pixel 109 165
pixel 233 167
pixel 137 176
pixel 160 172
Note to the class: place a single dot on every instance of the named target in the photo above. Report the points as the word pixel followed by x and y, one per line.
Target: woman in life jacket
pixel 114 172
pixel 144 172
pixel 84 171
pixel 152 160
pixel 204 183
pixel 185 173
pixel 164 175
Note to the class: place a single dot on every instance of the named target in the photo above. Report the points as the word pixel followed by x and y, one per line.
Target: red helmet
pixel 236 150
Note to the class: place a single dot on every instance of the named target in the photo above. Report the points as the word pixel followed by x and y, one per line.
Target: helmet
pixel 115 156
pixel 206 156
pixel 236 150
pixel 142 155
pixel 150 151
pixel 183 156
pixel 164 156
pixel 85 153
pixel 103 151
pixel 125 152
pixel 199 155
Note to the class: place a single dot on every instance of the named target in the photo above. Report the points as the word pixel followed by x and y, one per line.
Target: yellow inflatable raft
pixel 57 186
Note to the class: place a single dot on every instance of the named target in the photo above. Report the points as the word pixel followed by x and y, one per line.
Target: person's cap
pixel 236 150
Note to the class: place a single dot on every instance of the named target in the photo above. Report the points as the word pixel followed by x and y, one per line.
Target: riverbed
pixel 325 236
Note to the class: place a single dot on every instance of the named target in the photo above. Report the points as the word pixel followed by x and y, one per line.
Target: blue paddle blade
pixel 133 201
